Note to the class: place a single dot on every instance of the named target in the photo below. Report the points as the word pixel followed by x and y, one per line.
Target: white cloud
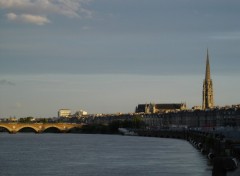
pixel 39 20
pixel 11 16
pixel 38 10
pixel 28 18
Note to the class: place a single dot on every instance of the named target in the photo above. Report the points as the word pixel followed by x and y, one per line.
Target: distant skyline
pixel 107 56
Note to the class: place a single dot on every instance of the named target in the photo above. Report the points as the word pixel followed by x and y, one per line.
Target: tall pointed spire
pixel 208 74
pixel 207 87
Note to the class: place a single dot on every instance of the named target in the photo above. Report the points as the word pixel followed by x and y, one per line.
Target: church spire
pixel 208 74
pixel 208 101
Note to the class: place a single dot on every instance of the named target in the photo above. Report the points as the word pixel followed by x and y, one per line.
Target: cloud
pixel 39 10
pixel 28 18
pixel 11 16
pixel 39 20
pixel 4 82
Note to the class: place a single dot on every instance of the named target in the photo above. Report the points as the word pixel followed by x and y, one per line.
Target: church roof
pixel 169 106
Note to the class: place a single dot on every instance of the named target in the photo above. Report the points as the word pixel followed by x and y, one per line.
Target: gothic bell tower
pixel 208 102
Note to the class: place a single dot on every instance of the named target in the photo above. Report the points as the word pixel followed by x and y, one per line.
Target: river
pixel 28 154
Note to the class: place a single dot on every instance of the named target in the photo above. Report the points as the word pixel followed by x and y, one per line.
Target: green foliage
pixel 44 120
pixel 112 127
pixel 26 120
pixel 138 122
pixel 134 123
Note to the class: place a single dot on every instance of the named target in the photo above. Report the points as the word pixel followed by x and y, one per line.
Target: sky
pixel 107 56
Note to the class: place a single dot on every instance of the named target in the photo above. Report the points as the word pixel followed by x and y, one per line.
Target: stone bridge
pixel 39 127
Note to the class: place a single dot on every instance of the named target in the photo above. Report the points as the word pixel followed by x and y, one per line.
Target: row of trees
pixel 112 128
pixel 32 119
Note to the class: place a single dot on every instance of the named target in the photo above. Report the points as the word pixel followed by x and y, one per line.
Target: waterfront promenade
pixel 222 148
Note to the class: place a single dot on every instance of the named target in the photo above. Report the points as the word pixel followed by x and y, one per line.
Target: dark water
pixel 97 155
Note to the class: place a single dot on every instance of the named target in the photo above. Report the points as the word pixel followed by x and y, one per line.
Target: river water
pixel 28 154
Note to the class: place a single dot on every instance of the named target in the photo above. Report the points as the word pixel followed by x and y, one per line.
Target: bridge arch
pixel 27 126
pixel 7 128
pixel 56 129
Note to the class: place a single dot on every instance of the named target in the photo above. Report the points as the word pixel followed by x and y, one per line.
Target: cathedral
pixel 207 98
pixel 207 102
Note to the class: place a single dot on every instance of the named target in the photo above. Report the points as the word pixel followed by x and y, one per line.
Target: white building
pixel 64 113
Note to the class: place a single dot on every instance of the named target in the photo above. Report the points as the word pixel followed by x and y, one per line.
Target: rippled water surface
pixel 25 154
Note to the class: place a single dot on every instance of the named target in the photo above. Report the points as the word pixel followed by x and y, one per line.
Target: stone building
pixel 160 108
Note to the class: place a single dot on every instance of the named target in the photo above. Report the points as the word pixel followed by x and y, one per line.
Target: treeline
pixel 33 120
pixel 112 127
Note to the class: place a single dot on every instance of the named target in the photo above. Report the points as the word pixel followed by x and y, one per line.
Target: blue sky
pixel 106 56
